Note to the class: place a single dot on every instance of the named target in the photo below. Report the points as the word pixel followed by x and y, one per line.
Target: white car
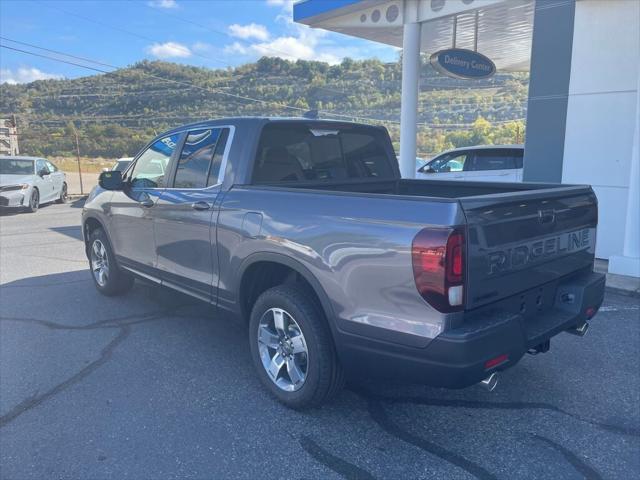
pixel 483 163
pixel 120 165
pixel 28 182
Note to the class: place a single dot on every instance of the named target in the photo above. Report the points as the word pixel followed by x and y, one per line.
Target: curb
pixel 622 291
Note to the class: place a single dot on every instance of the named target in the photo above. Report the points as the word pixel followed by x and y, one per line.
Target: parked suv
pixel 304 230
pixel 488 163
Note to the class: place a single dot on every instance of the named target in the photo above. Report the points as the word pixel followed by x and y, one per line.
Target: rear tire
pixel 34 201
pixel 63 194
pixel 108 277
pixel 302 345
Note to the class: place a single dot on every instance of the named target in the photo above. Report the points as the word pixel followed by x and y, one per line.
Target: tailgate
pixel 518 241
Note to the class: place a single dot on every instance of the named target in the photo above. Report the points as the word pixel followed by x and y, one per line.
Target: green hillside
pixel 116 113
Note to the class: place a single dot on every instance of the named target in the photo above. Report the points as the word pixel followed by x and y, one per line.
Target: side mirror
pixel 43 172
pixel 429 170
pixel 111 180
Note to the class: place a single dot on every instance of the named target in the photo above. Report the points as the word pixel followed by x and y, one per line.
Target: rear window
pixel 492 160
pixel 321 152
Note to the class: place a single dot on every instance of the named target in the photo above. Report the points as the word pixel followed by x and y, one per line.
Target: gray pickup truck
pixel 341 269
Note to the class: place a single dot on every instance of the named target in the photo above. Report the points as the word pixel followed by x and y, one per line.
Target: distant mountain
pixel 116 113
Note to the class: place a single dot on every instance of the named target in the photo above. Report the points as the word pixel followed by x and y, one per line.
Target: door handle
pixel 200 205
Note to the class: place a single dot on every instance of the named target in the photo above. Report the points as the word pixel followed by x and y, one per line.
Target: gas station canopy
pixel 500 29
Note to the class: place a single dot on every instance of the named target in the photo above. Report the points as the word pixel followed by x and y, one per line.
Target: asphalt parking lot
pixel 155 385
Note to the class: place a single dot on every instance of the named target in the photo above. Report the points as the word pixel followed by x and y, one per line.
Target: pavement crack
pixel 117 322
pixel 341 467
pixel 582 467
pixel 380 416
pixel 37 399
pixel 457 403
pixel 44 284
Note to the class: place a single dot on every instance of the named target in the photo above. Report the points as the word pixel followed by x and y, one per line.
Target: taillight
pixel 438 256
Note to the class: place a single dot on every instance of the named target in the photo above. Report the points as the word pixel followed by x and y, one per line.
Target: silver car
pixel 28 182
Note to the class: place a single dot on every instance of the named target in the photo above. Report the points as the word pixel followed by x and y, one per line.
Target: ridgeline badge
pixel 462 63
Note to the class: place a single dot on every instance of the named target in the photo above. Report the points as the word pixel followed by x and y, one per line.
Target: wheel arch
pixel 245 295
pixel 89 224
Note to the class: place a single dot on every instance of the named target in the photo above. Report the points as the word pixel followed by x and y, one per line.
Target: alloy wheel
pixel 99 263
pixel 283 349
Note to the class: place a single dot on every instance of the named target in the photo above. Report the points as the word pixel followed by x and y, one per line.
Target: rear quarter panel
pixel 357 246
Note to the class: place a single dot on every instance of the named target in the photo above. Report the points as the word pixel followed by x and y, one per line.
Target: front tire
pixel 34 201
pixel 107 276
pixel 292 348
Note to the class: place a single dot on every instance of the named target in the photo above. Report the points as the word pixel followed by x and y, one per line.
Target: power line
pixel 170 80
pixel 57 52
pixel 191 85
pixel 52 58
pixel 128 32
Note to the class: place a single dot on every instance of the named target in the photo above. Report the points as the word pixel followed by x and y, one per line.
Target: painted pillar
pixel 551 50
pixel 629 262
pixel 409 100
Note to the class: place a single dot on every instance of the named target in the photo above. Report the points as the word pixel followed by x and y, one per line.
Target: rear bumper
pixel 458 358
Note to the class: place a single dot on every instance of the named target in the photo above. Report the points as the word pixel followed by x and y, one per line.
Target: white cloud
pixel 252 30
pixel 201 47
pixel 285 5
pixel 163 3
pixel 237 48
pixel 294 48
pixel 169 50
pixel 25 75
pixel 299 42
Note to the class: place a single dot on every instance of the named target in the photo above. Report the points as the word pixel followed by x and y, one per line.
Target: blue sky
pixel 209 33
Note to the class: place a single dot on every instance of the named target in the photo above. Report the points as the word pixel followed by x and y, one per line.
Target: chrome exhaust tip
pixel 580 330
pixel 491 382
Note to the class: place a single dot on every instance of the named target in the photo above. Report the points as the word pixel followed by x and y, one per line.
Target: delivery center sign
pixel 462 63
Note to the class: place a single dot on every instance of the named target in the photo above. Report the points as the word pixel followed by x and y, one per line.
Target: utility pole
pixel 75 132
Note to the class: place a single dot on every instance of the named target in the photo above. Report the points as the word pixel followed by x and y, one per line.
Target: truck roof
pixel 260 120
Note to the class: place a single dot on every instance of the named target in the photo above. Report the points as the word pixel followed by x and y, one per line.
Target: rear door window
pixel 201 158
pixel 491 160
pixel 518 155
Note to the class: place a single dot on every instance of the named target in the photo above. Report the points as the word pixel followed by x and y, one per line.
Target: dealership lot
pixel 156 385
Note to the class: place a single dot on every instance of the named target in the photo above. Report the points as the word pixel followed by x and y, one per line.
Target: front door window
pixel 151 166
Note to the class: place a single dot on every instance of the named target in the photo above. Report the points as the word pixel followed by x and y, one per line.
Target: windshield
pixel 121 165
pixel 10 166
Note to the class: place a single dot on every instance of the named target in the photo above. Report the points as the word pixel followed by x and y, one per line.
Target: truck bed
pixel 520 235
pixel 423 188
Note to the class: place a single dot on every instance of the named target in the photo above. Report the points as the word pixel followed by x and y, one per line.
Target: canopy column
pixel 409 99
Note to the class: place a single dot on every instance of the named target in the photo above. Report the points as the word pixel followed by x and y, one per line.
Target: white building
pixel 583 118
pixel 8 136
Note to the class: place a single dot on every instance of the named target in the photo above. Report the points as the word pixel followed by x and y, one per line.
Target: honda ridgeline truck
pixel 305 230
